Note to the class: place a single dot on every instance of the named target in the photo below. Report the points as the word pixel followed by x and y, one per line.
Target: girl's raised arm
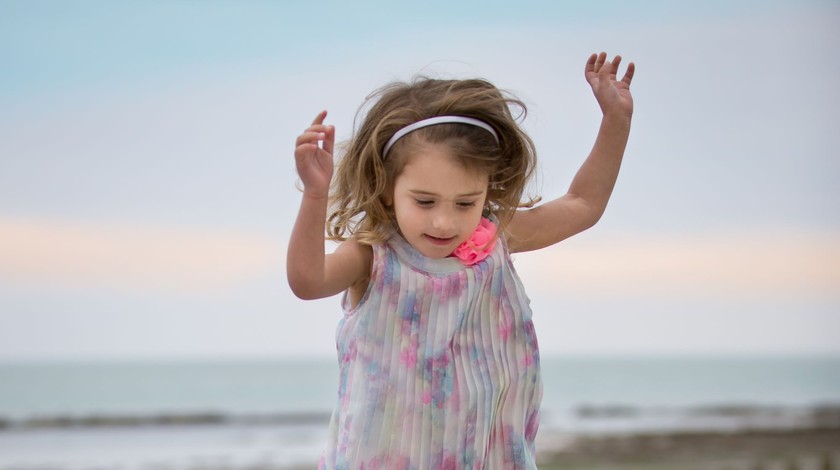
pixel 311 273
pixel 584 203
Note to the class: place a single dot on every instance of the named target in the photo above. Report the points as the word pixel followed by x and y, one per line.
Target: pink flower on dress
pixel 479 245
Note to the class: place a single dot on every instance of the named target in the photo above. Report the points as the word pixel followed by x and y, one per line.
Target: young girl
pixel 439 367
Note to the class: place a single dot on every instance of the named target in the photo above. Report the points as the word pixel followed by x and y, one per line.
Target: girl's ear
pixel 388 200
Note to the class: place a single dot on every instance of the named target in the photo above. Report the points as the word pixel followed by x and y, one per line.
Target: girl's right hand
pixel 315 163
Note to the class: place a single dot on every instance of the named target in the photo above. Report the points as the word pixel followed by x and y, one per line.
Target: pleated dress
pixel 439 367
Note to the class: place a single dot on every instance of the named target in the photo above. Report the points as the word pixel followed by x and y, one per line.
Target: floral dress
pixel 439 367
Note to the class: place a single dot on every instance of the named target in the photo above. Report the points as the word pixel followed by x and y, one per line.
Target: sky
pixel 147 183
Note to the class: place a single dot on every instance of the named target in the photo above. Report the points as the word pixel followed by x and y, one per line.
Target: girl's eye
pixel 466 204
pixel 424 202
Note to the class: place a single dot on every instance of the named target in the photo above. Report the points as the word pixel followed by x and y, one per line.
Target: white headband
pixel 437 120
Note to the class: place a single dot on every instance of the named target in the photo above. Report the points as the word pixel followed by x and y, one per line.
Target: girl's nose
pixel 443 221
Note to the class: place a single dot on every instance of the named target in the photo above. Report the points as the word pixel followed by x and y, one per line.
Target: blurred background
pixel 147 192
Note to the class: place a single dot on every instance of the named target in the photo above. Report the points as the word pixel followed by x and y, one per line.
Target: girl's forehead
pixel 432 169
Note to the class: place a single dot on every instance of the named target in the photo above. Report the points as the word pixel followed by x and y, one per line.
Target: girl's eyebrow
pixel 429 193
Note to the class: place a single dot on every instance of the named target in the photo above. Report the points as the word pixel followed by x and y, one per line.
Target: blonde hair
pixel 364 176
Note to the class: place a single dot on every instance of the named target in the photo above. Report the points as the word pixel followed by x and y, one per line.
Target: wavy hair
pixel 364 176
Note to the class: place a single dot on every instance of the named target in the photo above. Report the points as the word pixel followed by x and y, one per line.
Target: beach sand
pixel 801 449
pixel 795 449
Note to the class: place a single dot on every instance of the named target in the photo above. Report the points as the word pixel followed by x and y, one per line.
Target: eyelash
pixel 430 203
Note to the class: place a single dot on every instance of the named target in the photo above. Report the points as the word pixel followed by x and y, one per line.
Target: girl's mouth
pixel 439 241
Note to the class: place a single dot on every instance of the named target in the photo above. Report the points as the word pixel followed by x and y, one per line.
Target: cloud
pixel 722 264
pixel 63 253
pixel 77 254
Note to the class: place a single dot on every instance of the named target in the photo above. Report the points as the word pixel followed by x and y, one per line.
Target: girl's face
pixel 437 202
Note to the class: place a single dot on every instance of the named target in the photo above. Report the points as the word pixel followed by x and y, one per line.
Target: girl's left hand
pixel 613 95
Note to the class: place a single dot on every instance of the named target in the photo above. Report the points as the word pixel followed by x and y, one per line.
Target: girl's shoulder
pixel 362 255
pixel 356 250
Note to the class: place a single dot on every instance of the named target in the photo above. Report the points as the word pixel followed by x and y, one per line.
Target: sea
pixel 274 413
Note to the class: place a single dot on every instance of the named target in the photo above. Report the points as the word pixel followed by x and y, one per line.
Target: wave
pixel 61 421
pixel 586 417
pixel 621 419
pixel 820 412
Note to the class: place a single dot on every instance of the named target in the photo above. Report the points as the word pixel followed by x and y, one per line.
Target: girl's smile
pixel 439 241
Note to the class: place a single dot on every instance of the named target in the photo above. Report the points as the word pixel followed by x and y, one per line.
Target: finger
pixel 329 139
pixel 615 63
pixel 317 128
pixel 319 119
pixel 310 138
pixel 590 63
pixel 606 71
pixel 628 75
pixel 305 149
pixel 599 62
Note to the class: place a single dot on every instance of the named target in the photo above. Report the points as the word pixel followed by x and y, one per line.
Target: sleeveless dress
pixel 439 367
